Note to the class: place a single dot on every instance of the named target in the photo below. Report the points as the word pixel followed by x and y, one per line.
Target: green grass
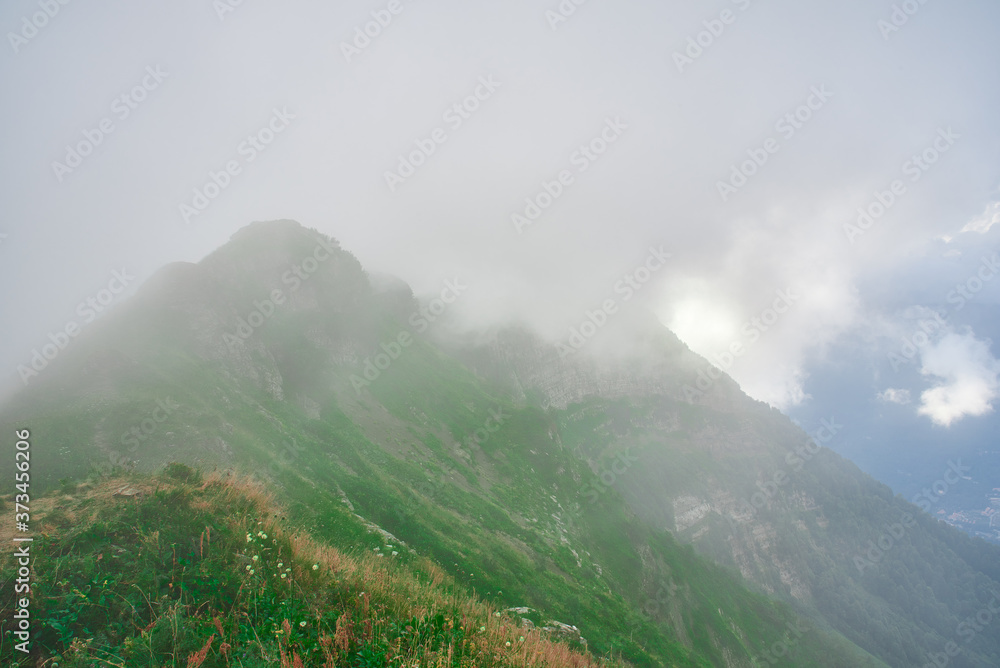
pixel 214 574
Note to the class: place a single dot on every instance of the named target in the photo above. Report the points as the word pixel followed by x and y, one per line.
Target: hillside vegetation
pixel 174 571
pixel 590 492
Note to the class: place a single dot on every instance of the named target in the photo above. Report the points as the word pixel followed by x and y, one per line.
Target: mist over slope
pixel 627 488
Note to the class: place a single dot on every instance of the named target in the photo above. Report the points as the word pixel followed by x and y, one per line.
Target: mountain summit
pixel 656 525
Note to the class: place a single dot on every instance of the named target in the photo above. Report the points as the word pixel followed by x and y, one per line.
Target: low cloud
pixel 895 396
pixel 983 222
pixel 968 378
pixel 712 306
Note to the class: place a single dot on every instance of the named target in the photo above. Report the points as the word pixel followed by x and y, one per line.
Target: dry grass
pixel 388 592
pixel 375 602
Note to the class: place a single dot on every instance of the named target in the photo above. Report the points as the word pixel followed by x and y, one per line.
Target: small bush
pixel 182 472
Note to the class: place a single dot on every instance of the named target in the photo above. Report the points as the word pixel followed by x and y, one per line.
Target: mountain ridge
pixel 570 502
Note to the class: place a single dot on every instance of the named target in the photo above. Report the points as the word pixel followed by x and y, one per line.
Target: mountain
pixel 629 489
pixel 207 572
pixel 948 471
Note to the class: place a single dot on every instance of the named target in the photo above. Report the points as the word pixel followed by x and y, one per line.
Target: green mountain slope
pixel 754 492
pixel 563 486
pixel 135 571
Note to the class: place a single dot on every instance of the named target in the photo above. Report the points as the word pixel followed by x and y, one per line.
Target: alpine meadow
pixel 558 334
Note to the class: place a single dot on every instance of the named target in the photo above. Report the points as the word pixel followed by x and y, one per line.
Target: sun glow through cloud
pixel 706 327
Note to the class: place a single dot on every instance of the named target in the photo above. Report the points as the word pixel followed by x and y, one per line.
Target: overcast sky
pixel 831 103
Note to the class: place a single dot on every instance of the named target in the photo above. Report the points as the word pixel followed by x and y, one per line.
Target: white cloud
pixel 983 222
pixel 895 396
pixel 782 388
pixel 796 250
pixel 969 375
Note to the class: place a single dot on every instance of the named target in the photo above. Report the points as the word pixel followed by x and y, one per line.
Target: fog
pixel 542 152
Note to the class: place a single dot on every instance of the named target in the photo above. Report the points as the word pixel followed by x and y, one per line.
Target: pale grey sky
pixel 199 79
